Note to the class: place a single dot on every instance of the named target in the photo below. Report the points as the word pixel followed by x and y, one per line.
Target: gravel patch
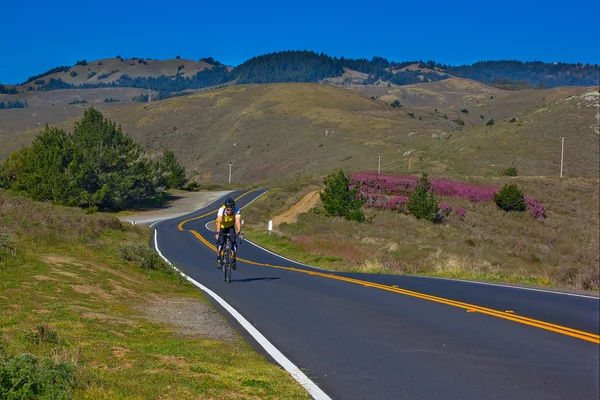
pixel 190 317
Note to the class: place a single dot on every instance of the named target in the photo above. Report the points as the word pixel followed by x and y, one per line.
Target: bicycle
pixel 227 258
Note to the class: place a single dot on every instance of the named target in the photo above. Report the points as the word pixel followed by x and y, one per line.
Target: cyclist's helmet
pixel 230 203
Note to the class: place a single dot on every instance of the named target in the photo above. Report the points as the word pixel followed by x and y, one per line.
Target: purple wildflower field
pixel 392 191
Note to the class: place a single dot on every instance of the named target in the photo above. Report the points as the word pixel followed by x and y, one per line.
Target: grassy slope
pixel 68 296
pixel 487 244
pixel 273 131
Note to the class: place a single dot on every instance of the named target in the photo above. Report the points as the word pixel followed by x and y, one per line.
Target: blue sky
pixel 39 35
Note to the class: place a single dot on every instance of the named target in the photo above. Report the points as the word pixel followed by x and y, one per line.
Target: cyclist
pixel 228 221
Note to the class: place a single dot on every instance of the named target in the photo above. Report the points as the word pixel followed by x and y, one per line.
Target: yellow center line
pixel 508 315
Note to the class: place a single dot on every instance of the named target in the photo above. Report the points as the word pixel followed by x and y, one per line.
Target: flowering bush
pixel 392 191
pixel 534 206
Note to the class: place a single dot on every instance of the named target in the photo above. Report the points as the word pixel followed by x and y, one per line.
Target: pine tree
pixel 339 200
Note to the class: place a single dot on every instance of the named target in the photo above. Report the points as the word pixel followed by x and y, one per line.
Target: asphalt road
pixel 362 336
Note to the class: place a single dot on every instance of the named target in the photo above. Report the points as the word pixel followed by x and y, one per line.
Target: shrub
pixel 141 98
pixel 43 334
pixel 7 246
pixel 73 74
pixel 192 187
pixel 27 376
pixel 460 121
pixel 422 203
pixel 490 122
pixel 339 199
pixel 510 171
pixel 464 110
pixel 395 104
pixel 510 198
pixel 143 257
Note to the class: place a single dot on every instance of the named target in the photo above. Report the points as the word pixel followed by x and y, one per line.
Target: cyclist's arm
pixel 238 223
pixel 219 220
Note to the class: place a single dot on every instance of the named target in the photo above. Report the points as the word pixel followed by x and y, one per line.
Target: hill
pixel 109 70
pixel 175 75
pixel 281 130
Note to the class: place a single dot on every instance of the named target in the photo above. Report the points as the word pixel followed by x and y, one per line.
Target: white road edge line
pixel 298 375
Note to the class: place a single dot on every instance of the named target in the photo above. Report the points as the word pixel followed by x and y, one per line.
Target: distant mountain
pixel 177 75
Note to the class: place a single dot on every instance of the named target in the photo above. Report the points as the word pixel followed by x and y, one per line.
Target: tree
pixel 339 200
pixel 97 166
pixel 510 198
pixel 13 166
pixel 168 172
pixel 109 170
pixel 41 174
pixel 422 203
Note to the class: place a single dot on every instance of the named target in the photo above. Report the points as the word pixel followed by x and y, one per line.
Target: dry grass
pixel 282 130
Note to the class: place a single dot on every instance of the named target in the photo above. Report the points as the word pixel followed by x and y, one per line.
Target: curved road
pixel 361 336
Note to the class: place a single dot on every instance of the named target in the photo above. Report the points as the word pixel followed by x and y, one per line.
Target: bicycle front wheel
pixel 226 265
pixel 228 271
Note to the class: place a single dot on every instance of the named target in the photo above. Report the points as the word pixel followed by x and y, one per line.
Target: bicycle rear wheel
pixel 228 273
pixel 226 265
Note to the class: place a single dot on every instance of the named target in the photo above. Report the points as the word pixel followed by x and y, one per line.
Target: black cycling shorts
pixel 221 239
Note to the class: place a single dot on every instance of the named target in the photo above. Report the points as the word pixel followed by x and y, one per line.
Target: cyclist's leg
pixel 220 250
pixel 234 249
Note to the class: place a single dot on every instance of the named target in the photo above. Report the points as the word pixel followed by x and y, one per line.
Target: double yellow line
pixel 508 315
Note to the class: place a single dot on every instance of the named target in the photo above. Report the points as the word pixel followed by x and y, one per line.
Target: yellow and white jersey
pixel 227 221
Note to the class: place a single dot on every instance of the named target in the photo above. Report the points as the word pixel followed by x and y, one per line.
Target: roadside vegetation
pixel 78 318
pixel 536 231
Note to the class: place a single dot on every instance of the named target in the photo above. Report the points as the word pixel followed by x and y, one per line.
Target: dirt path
pixel 305 204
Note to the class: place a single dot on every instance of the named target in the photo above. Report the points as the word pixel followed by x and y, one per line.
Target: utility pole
pixel 562 155
pixel 230 171
pixel 378 163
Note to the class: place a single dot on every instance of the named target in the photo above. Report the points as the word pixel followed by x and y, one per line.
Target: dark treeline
pixel 288 66
pixel 5 90
pixel 309 66
pixel 536 73
pixel 62 68
pixel 13 104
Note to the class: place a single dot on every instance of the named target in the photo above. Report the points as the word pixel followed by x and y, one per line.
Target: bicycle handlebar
pixel 231 234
